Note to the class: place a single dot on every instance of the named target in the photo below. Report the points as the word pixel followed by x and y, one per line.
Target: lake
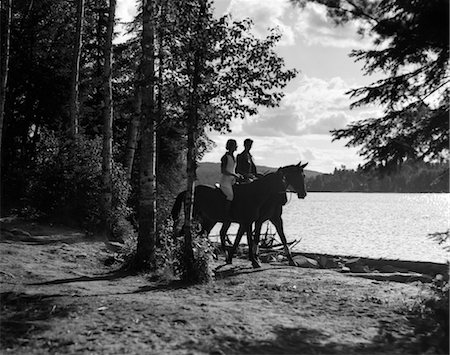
pixel 375 225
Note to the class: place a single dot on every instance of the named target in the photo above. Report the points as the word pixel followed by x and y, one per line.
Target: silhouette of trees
pixel 417 177
pixel 411 45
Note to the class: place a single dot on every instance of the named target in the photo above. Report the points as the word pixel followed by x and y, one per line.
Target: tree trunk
pixel 191 167
pixel 74 103
pixel 108 122
pixel 147 174
pixel 192 127
pixel 5 43
pixel 133 132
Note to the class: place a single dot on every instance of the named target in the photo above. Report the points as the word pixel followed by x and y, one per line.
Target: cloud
pixel 315 28
pixel 282 120
pixel 326 124
pixel 315 107
pixel 265 15
pixel 126 10
pixel 310 24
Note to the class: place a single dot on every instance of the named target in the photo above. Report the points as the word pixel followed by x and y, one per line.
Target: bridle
pixel 286 183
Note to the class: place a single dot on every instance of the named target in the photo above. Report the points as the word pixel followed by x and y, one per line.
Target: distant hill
pixel 209 173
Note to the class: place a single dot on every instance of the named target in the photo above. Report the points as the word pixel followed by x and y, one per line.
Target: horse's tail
pixel 177 205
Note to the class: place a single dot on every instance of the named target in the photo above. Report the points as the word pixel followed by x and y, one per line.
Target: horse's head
pixel 295 179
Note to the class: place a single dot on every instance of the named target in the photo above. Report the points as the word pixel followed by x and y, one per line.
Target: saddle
pixel 219 190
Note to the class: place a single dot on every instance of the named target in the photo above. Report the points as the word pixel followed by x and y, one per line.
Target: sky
pixel 315 101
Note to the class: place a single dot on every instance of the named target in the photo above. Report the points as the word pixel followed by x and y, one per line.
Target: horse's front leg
pixel 223 235
pixel 257 238
pixel 232 251
pixel 278 223
pixel 252 248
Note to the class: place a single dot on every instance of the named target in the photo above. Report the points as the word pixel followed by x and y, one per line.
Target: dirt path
pixel 58 297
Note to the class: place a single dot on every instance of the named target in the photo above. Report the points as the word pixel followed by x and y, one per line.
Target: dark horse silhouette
pixel 255 202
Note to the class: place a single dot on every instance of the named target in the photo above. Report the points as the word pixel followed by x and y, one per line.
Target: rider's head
pixel 231 145
pixel 248 144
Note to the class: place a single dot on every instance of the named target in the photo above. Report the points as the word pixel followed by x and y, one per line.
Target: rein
pixel 285 182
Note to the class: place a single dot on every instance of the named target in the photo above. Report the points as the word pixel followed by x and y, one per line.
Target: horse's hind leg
pixel 232 251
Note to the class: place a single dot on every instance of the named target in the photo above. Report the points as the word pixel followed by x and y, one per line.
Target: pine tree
pixel 147 174
pixel 74 98
pixel 108 115
pixel 411 41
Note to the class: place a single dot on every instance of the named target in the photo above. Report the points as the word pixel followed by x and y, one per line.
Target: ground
pixel 58 297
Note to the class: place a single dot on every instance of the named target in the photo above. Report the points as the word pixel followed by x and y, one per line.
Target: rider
pixel 229 176
pixel 245 165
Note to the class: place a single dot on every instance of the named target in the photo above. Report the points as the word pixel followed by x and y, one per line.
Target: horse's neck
pixel 266 185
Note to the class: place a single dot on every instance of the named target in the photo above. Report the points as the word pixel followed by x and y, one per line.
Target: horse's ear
pixel 300 163
pixel 302 166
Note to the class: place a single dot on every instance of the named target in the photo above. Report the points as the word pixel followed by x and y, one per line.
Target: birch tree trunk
pixel 108 122
pixel 5 44
pixel 133 132
pixel 192 127
pixel 74 97
pixel 147 172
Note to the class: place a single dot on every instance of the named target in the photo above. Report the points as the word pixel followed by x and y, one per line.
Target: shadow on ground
pixel 297 340
pixel 221 272
pixel 103 277
pixel 24 315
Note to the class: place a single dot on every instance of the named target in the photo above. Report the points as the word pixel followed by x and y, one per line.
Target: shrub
pixel 200 271
pixel 66 184
pixel 430 319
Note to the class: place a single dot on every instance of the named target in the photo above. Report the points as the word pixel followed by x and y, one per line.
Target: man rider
pixel 245 165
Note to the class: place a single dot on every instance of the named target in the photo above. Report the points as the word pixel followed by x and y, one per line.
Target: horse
pixel 253 203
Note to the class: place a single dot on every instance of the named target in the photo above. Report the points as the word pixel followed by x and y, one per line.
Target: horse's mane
pixel 256 183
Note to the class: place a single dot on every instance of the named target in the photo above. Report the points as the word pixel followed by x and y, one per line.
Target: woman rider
pixel 229 176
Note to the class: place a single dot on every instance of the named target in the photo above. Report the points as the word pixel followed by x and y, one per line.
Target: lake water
pixel 376 225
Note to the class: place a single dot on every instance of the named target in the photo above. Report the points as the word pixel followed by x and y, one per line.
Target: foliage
pixel 430 316
pixel 411 46
pixel 169 258
pixel 203 253
pixel 66 183
pixel 239 71
pixel 42 37
pixel 430 319
pixel 164 262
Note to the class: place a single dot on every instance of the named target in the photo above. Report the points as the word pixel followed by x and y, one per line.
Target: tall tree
pixel 147 172
pixel 6 10
pixel 108 114
pixel 75 82
pixel 195 65
pixel 223 72
pixel 411 41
